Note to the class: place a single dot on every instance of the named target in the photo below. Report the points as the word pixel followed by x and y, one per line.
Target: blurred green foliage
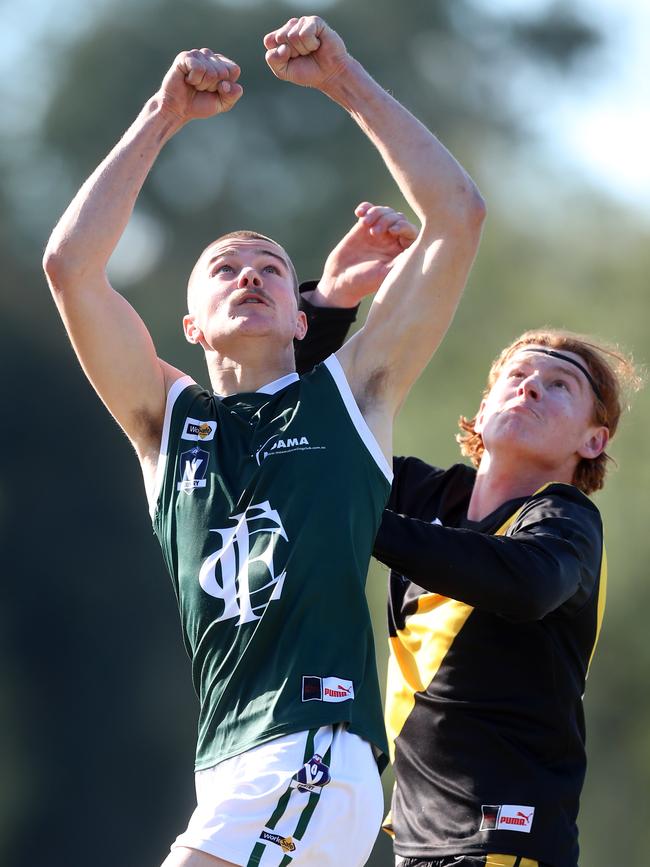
pixel 97 714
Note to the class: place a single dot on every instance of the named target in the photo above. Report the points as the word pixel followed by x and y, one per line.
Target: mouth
pixel 252 298
pixel 523 407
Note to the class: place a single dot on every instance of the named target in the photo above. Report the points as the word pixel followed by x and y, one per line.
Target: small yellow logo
pixel 287 845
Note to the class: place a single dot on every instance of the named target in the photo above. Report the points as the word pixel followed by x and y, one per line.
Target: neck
pixel 248 369
pixel 497 483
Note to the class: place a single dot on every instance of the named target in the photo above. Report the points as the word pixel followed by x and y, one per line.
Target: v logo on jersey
pixel 248 583
pixel 193 467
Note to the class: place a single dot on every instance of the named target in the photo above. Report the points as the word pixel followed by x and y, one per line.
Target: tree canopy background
pixel 97 714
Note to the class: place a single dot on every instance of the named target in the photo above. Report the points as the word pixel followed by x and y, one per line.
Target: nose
pixel 531 387
pixel 248 277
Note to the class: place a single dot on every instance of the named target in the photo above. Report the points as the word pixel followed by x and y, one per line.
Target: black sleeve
pixel 328 328
pixel 550 558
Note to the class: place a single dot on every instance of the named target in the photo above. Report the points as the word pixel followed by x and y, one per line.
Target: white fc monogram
pixel 233 561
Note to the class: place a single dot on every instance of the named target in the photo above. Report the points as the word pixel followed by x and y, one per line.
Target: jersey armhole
pixel 172 396
pixel 338 375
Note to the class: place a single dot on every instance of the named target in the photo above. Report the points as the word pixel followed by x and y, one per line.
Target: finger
pixel 281 35
pixel 362 208
pixel 229 93
pixel 375 213
pixel 232 68
pixel 215 69
pixel 403 229
pixel 196 69
pixel 278 59
pixel 390 221
pixel 303 36
pixel 269 40
pixel 384 224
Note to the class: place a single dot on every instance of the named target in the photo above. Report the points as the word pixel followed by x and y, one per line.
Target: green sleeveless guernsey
pixel 267 505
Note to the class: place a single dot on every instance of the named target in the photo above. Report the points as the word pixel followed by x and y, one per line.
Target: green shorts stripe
pixel 308 812
pixel 283 802
pixel 256 854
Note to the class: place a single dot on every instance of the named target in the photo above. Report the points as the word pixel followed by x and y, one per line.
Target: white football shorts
pixel 310 798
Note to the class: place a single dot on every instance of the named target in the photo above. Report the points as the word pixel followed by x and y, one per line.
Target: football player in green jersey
pixel 243 313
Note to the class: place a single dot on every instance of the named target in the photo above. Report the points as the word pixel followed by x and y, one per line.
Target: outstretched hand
pixel 305 51
pixel 200 84
pixel 358 264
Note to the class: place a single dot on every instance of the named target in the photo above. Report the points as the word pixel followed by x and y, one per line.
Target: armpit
pixel 374 389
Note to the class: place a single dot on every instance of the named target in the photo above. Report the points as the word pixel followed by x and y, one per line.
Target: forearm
pixel 325 294
pixel 90 228
pixel 326 332
pixel 520 578
pixel 432 181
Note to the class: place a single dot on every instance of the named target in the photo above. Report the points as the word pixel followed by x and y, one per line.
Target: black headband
pixel 555 354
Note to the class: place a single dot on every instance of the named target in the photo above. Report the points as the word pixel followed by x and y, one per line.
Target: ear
pixel 301 326
pixel 595 443
pixel 193 333
pixel 480 418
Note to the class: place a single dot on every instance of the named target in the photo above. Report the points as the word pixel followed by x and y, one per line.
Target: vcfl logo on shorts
pixel 330 689
pixel 507 817
pixel 313 775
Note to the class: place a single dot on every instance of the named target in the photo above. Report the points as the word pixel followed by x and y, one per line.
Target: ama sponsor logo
pixel 277 445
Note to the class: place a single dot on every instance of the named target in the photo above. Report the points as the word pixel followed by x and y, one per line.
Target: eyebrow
pixel 564 357
pixel 232 251
pixel 557 368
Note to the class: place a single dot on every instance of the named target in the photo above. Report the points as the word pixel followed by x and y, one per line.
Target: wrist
pixel 161 113
pixel 328 294
pixel 343 85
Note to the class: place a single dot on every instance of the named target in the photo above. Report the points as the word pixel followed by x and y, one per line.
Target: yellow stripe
pixel 508 861
pixel 417 651
pixel 602 598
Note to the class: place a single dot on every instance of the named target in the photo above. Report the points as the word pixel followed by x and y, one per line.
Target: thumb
pixel 278 58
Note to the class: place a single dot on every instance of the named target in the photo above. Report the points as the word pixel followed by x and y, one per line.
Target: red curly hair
pixel 613 373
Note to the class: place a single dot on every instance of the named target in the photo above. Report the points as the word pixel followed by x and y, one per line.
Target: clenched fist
pixel 199 84
pixel 306 51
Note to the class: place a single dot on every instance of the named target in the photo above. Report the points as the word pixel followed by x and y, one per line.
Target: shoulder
pixel 413 470
pixel 563 513
pixel 558 500
pixel 419 485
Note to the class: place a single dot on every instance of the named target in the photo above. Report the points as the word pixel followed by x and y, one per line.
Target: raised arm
pixel 417 300
pixel 111 341
pixel 355 268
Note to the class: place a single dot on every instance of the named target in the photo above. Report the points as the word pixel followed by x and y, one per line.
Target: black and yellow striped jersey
pixel 491 636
